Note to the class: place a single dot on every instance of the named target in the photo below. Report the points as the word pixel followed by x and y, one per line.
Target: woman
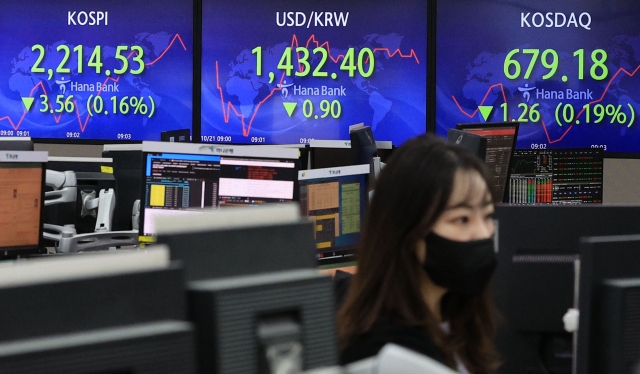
pixel 425 261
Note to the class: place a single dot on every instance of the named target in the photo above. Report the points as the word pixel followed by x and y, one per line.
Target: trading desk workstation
pixel 183 182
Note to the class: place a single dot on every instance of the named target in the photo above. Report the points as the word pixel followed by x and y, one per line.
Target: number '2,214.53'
pixel 95 61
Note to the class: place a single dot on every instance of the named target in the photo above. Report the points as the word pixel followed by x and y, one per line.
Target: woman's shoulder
pixel 370 343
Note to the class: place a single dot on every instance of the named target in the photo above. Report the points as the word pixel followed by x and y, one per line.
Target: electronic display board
pixel 95 70
pixel 287 72
pixel 566 70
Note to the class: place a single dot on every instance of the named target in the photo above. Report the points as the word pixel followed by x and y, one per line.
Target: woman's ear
pixel 421 251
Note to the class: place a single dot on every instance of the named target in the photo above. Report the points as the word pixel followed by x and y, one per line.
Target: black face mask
pixel 460 267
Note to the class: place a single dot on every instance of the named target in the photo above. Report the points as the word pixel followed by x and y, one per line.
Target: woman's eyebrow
pixel 467 205
pixel 462 204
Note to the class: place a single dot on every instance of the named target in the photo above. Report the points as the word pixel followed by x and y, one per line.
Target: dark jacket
pixel 370 343
pixel 383 332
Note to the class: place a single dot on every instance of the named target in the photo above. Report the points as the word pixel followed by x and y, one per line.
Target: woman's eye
pixel 489 216
pixel 463 219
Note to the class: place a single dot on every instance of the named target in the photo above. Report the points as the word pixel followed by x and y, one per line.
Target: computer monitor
pixel 617 327
pixel 81 164
pixel 363 145
pixel 556 176
pixel 127 170
pixel 603 258
pixel 534 283
pixel 22 177
pixel 241 241
pixel 253 287
pixel 501 141
pixel 115 312
pixel 335 153
pixel 16 144
pixel 93 174
pixel 473 143
pixel 250 324
pixel 181 178
pixel 335 200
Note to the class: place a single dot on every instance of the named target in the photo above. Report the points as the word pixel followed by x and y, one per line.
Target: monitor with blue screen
pixel 95 70
pixel 566 70
pixel 289 72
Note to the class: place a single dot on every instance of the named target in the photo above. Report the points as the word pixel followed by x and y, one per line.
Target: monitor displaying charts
pixel 556 176
pixel 183 179
pixel 566 70
pixel 335 200
pixel 95 70
pixel 290 71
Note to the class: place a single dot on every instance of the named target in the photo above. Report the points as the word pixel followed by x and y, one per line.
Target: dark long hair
pixel 410 195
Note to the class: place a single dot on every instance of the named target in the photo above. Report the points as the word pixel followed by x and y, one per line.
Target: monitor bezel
pixel 18 140
pixel 75 163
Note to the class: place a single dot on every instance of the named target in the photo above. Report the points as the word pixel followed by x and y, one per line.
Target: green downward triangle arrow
pixel 290 107
pixel 485 111
pixel 28 102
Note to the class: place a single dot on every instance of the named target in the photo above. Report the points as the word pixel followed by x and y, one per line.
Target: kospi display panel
pixel 566 70
pixel 115 70
pixel 287 72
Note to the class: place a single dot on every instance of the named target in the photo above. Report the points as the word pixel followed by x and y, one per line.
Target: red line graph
pixel 83 123
pixel 312 39
pixel 544 127
pixel 246 129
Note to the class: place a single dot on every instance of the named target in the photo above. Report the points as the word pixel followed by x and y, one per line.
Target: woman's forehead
pixel 469 189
